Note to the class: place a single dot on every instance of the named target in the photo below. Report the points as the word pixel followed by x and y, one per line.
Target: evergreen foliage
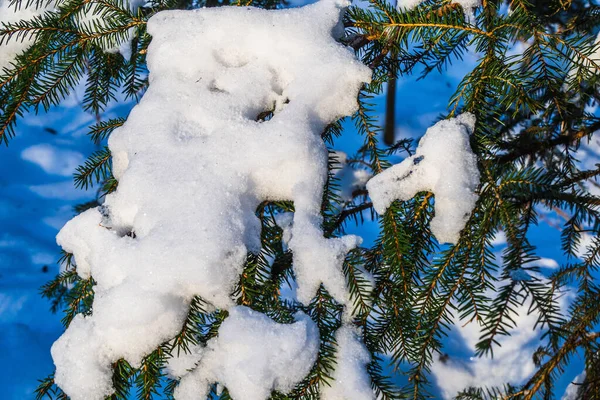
pixel 532 116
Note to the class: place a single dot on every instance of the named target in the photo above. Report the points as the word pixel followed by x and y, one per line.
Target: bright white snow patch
pixel 60 190
pixel 585 243
pixel 443 164
pixel 10 14
pixel 499 239
pixel 193 164
pixel 513 356
pixel 573 388
pixel 546 263
pixel 408 4
pixel 351 380
pixel 252 356
pixel 53 160
pixel 285 221
pixel 182 363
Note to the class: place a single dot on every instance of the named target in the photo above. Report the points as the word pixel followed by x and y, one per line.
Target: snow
pixel 52 159
pixel 585 243
pixel 252 356
pixel 16 45
pixel 547 263
pixel 574 387
pixel 443 164
pixel 285 221
pixel 23 212
pixel 92 18
pixel 60 190
pixel 19 367
pixel 467 5
pixel 28 250
pixel 96 17
pixel 520 275
pixel 193 164
pixel 499 239
pixel 351 380
pixel 408 4
pixel 512 362
pixel 180 364
pixel 350 179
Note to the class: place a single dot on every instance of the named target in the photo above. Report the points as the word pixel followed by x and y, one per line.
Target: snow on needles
pixel 466 5
pixel 95 18
pixel 252 356
pixel 193 162
pixel 443 164
pixel 350 378
pixel 91 19
pixel 350 179
pixel 11 13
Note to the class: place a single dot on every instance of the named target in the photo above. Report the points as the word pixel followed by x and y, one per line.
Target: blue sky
pixel 37 197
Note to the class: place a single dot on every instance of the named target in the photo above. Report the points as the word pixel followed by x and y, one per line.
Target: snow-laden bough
pixel 193 162
pixel 252 356
pixel 443 164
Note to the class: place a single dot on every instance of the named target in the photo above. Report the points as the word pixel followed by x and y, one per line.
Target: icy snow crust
pixel 443 164
pixel 252 356
pixel 193 164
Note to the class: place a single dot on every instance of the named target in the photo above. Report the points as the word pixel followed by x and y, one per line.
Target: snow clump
pixel 193 161
pixel 443 164
pixel 252 356
pixel 350 378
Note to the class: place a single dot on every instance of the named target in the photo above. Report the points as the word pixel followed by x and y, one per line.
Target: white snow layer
pixel 180 364
pixel 252 356
pixel 193 164
pixel 9 13
pixel 52 159
pixel 443 164
pixel 351 380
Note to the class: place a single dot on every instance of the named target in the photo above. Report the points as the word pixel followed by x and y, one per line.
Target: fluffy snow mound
pixel 443 164
pixel 194 160
pixel 252 356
